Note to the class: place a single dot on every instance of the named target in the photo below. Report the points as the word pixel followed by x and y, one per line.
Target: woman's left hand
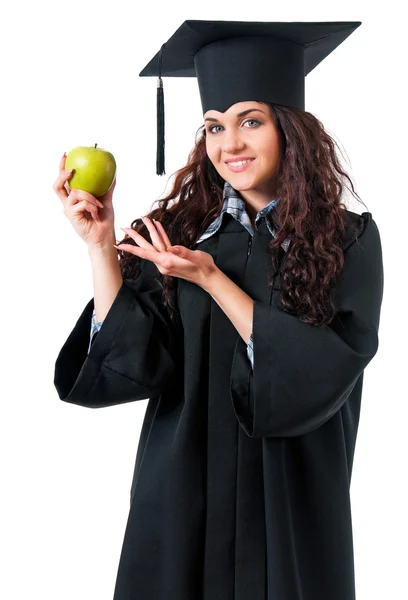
pixel 178 261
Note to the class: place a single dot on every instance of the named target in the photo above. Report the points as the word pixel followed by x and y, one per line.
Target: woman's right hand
pixel 92 218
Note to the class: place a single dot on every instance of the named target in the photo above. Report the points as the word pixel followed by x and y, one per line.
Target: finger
pixel 162 233
pixel 107 196
pixel 156 239
pixel 160 260
pixel 62 163
pixel 128 248
pixel 182 252
pixel 139 239
pixel 75 196
pixel 81 207
pixel 112 187
pixel 59 185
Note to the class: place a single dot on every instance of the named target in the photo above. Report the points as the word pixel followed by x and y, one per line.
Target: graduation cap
pixel 239 61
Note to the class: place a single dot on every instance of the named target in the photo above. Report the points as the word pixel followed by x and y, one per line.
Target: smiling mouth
pixel 239 165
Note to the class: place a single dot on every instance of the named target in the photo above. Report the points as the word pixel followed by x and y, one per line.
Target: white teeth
pixel 241 162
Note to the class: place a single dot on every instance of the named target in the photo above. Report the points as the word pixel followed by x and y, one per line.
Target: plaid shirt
pixel 235 205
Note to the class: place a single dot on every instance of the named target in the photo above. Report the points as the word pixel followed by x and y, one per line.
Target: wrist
pixel 212 280
pixel 105 247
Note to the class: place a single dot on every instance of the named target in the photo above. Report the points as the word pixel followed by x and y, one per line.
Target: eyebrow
pixel 241 114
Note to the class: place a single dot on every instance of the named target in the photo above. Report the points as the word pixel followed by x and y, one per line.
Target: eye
pixel 253 121
pixel 247 121
pixel 210 129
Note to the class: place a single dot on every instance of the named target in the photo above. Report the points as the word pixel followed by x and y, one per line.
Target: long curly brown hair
pixel 310 184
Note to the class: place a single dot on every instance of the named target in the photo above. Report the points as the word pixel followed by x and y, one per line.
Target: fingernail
pixel 67 171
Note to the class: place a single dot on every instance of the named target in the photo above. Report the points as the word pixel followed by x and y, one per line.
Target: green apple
pixel 94 169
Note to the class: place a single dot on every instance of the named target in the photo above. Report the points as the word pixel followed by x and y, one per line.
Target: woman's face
pixel 234 135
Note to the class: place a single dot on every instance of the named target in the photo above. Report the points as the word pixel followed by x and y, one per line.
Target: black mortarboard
pixel 238 61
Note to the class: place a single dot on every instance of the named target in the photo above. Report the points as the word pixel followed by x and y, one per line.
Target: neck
pixel 255 200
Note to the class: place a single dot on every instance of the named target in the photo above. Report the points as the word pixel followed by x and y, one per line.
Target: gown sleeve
pixel 302 374
pixel 132 357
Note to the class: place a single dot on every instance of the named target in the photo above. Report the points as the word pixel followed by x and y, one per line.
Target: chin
pixel 241 185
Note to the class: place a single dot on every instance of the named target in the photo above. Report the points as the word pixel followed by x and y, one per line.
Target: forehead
pixel 237 108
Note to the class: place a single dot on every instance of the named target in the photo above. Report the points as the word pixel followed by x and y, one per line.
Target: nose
pixel 231 142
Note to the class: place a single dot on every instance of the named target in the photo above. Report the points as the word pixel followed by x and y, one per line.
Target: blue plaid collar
pixel 235 206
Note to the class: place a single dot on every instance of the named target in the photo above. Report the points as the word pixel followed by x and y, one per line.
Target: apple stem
pixel 96 145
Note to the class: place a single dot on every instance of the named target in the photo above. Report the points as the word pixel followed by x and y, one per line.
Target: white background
pixel 69 77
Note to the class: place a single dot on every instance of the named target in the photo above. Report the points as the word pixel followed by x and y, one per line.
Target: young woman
pixel 246 307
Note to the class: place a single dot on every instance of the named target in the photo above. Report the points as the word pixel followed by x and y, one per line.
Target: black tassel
pixel 160 122
pixel 160 129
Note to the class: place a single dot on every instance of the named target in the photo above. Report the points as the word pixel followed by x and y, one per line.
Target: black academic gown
pixel 241 483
